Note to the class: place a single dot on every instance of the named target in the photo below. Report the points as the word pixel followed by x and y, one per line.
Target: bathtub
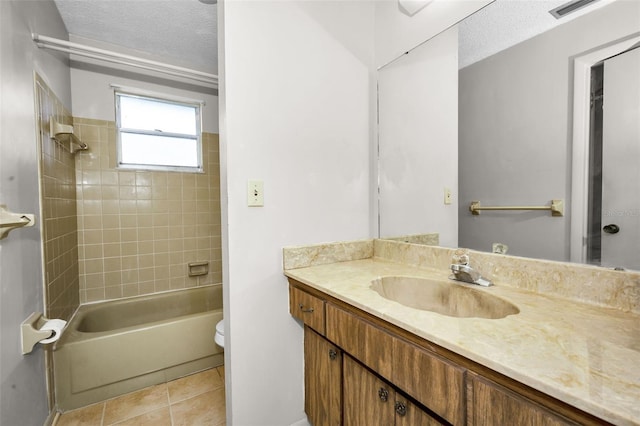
pixel 111 348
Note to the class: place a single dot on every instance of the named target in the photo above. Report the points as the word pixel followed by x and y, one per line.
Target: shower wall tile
pixel 57 177
pixel 137 229
pixel 60 232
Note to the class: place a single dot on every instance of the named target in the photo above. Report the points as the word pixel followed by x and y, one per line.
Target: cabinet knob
pixel 333 354
pixel 383 394
pixel 401 409
pixel 306 311
pixel 611 229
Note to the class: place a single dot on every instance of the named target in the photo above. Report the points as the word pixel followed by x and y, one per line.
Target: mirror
pixel 514 140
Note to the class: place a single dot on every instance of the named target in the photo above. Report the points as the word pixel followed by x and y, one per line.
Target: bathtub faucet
pixel 462 270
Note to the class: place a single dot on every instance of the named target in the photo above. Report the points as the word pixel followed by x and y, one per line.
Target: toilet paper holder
pixel 38 329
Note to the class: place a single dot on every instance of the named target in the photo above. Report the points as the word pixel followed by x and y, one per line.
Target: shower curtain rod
pixel 122 59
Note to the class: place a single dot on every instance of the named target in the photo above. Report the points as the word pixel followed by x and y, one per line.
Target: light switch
pixel 255 193
pixel 447 196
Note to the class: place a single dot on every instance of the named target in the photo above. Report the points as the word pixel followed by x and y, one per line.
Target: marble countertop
pixel 585 355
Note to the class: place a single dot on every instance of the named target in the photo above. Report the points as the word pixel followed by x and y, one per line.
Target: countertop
pixel 585 355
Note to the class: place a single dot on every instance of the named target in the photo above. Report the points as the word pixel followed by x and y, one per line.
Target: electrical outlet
pixel 447 196
pixel 255 193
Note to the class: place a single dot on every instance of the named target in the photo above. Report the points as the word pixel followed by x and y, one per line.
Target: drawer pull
pixel 401 409
pixel 383 394
pixel 305 311
pixel 333 354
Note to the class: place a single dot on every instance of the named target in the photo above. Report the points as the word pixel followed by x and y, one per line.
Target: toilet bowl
pixel 219 338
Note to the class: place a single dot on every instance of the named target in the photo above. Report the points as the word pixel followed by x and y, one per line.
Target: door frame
pixel 582 64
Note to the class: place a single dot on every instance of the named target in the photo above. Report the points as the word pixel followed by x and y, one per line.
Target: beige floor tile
pixel 135 403
pixel 196 400
pixel 160 417
pixel 207 409
pixel 221 371
pixel 85 416
pixel 193 385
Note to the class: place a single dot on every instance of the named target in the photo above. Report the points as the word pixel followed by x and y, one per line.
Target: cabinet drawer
pixel 307 308
pixel 491 404
pixel 364 341
pixel 431 380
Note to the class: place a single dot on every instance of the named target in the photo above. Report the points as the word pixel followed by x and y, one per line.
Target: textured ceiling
pixel 505 23
pixel 183 31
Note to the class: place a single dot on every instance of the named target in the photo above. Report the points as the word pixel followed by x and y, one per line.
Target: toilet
pixel 219 338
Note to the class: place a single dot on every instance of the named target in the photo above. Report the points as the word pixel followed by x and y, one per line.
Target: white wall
pixel 418 138
pixel 93 97
pixel 295 112
pixel 23 398
pixel 515 133
pixel 418 117
pixel 397 33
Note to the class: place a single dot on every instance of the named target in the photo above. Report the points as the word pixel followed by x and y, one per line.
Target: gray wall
pixel 515 134
pixel 23 398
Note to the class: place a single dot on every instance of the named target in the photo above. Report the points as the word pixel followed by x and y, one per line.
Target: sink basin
pixel 443 297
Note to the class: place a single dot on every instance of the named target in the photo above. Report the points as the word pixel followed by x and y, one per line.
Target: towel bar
pixel 556 208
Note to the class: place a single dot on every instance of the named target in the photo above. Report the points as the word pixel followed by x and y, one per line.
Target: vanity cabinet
pixel 369 400
pixel 354 360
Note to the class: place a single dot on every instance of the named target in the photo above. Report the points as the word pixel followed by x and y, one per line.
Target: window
pixel 158 134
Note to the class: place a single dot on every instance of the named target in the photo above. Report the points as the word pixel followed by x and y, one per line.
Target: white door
pixel 621 162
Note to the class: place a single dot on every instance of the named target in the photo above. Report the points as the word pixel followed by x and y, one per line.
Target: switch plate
pixel 255 193
pixel 447 195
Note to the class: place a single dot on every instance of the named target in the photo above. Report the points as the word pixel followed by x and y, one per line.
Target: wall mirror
pixel 512 142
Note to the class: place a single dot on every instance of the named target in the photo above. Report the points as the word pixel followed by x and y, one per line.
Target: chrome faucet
pixel 462 271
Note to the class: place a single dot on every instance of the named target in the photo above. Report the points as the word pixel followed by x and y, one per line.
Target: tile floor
pixel 196 400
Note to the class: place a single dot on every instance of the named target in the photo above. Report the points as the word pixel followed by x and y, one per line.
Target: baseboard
pixel 52 417
pixel 302 422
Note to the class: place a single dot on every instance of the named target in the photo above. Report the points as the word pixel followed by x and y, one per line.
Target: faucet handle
pixel 460 257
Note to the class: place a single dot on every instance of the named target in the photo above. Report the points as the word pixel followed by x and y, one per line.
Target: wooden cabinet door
pixel 322 380
pixel 430 380
pixel 492 404
pixel 370 401
pixel 367 399
pixel 409 414
pixel 364 341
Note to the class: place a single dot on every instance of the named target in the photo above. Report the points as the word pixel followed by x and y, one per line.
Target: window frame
pixel 118 93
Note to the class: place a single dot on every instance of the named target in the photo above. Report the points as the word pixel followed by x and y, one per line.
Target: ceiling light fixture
pixel 411 7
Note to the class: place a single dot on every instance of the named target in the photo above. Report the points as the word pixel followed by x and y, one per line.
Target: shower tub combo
pixel 111 348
